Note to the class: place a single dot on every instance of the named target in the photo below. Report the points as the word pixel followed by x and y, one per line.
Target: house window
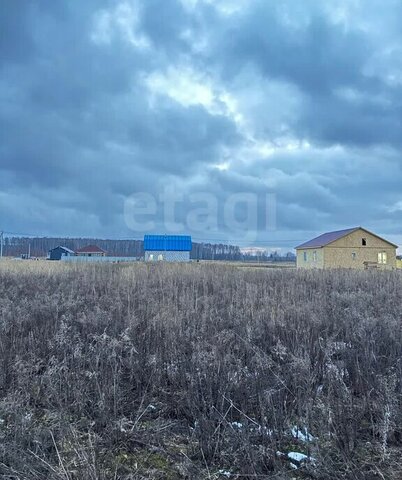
pixel 364 242
pixel 151 257
pixel 353 255
pixel 382 258
pixel 314 256
pixel 160 257
pixel 305 256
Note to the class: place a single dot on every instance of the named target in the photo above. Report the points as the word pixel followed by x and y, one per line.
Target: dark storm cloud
pixel 335 120
pixel 101 99
pixel 316 56
pixel 75 114
pixel 343 101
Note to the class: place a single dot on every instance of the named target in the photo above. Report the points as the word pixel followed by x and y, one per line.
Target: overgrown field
pixel 199 372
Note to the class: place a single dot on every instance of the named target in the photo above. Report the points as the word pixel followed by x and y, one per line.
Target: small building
pixel 57 253
pixel 90 251
pixel 352 248
pixel 168 248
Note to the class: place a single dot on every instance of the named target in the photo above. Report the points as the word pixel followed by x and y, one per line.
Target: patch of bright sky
pixel 124 19
pixel 184 86
pixel 222 167
pixel 266 149
pixel 344 13
pixel 397 207
pixel 188 87
pixel 225 7
pixel 198 40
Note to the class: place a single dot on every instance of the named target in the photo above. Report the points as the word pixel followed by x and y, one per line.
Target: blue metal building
pixel 168 248
pixel 58 252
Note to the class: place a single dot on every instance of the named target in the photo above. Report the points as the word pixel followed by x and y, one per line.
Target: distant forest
pixel 40 246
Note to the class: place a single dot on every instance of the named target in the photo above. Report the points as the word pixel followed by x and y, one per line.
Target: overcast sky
pixel 301 100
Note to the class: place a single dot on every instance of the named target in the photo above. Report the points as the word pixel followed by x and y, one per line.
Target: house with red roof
pixel 90 251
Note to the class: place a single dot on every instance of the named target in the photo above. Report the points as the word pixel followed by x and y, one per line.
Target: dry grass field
pixel 199 371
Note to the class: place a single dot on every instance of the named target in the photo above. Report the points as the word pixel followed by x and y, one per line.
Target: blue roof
pixel 176 243
pixel 327 238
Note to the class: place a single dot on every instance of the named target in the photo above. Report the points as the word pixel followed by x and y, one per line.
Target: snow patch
pixel 300 457
pixel 225 473
pixel 302 434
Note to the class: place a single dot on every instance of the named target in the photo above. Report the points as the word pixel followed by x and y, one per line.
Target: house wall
pixel 55 254
pixel 58 254
pixel 311 260
pixel 339 253
pixel 399 264
pixel 167 256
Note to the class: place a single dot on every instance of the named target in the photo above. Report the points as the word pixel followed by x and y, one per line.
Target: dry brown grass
pixel 185 371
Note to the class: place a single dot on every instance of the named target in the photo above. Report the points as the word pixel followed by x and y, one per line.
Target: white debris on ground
pixel 263 430
pixel 237 425
pixel 252 428
pixel 302 434
pixel 300 457
pixel 297 457
pixel 225 473
pixel 336 347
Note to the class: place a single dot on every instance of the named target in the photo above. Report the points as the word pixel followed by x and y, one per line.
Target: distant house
pixel 169 248
pixel 399 262
pixel 352 248
pixel 57 253
pixel 90 251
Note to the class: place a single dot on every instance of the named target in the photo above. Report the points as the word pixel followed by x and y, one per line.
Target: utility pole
pixel 1 244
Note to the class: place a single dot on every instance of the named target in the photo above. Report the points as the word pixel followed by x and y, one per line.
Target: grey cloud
pixel 316 54
pixel 164 23
pixel 320 57
pixel 79 130
pixel 16 39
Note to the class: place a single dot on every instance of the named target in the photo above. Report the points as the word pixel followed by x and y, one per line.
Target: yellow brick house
pixel 351 248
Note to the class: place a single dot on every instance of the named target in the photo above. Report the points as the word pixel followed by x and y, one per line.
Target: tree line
pixel 40 246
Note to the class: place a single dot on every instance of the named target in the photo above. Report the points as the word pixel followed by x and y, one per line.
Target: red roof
pixel 90 249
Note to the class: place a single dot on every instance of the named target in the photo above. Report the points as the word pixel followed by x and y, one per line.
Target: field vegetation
pixel 200 372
